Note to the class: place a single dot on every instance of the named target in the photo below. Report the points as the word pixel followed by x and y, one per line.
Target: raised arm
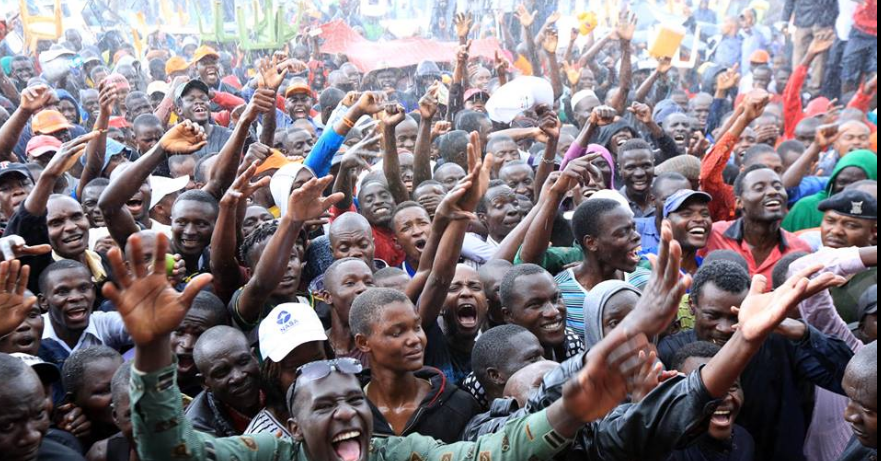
pixel 107 98
pixel 305 204
pixel 549 44
pixel 463 23
pixel 32 101
pixel 15 304
pixel 223 173
pixel 550 127
pixel 626 29
pixel 428 107
pixel 391 164
pixel 527 19
pixel 63 161
pixel 827 135
pixel 793 110
pixel 184 139
pixel 350 167
pixel 664 66
pixel 271 77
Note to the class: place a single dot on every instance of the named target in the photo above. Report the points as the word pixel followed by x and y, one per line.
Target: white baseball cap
pixel 288 327
pixel 47 372
pixel 163 187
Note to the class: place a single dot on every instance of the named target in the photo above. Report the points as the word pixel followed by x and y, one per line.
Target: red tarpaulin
pixel 368 56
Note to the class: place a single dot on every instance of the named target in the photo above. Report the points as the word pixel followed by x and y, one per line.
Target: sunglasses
pixel 320 370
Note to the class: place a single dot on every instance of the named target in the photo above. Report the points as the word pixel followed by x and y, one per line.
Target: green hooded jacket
pixel 805 213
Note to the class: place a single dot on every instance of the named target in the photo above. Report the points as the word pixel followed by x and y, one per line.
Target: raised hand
pixel 351 98
pixel 257 152
pixel 393 116
pixel 755 103
pixel 822 43
pixel 372 103
pixel 664 65
pixel 108 97
pixel 242 187
pixel 571 74
pixel 440 128
pixel 15 247
pixel 728 79
pixel 270 76
pixel 603 116
pixel 626 28
pixel 660 300
pixel 551 41
pixel 553 18
pixel 428 105
pixel 642 112
pixel 698 145
pixel 184 138
pixel 761 313
pixel 150 307
pixel 14 304
pixel 525 17
pixel 35 98
pixel 648 376
pixel 263 102
pixel 463 23
pixel 577 172
pixel 308 202
pixel 502 64
pixel 464 53
pixel 601 385
pixel 353 161
pixel 69 155
pixel 480 171
pixel 451 208
pixel 827 135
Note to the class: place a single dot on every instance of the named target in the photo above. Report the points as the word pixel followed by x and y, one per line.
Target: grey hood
pixel 595 305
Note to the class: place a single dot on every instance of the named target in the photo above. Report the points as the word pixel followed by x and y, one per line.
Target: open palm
pixel 307 203
pixel 14 304
pixel 184 138
pixel 150 307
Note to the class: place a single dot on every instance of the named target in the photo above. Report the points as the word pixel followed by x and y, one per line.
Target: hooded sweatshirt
pixel 81 115
pixel 594 306
pixel 805 214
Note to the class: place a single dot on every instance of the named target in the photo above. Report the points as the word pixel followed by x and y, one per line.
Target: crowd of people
pixel 564 253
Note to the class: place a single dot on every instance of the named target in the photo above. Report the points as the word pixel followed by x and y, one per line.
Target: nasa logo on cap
pixel 286 321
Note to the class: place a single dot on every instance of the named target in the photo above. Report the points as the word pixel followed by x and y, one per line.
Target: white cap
pixel 612 195
pixel 47 372
pixel 163 187
pixel 581 96
pixel 158 87
pixel 518 96
pixel 282 183
pixel 288 327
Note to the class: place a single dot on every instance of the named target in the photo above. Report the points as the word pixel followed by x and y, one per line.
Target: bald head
pixel 351 236
pixel 522 383
pixel 349 222
pixel 218 342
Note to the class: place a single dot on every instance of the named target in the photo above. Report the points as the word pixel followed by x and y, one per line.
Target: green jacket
pixel 805 215
pixel 163 433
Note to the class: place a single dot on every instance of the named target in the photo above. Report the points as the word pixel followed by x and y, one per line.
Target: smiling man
pixel 757 236
pixel 531 299
pixel 797 355
pixel 68 296
pixel 193 102
pixel 636 166
pixel 377 205
pixel 231 378
pixel 689 215
pixel 861 385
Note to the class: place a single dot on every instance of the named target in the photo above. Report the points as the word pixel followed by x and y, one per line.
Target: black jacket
pixel 740 448
pixel 671 417
pixel 443 414
pixel 208 416
pixel 776 409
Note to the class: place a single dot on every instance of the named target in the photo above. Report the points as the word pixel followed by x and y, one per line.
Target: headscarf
pixel 595 305
pixel 81 114
pixel 6 63
pixel 805 214
pixel 576 152
pixel 282 182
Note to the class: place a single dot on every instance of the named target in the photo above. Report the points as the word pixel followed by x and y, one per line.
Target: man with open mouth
pixel 636 166
pixel 689 215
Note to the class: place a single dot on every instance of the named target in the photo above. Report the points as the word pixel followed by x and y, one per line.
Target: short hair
pixel 368 306
pixel 516 163
pixel 491 346
pixel 727 255
pixel 73 375
pixel 725 275
pixel 406 206
pixel 634 144
pixel 792 145
pixel 61 265
pixel 483 204
pixel 201 197
pixel 198 175
pixel 428 183
pixel 470 120
pixel 588 218
pixel 453 145
pixel 97 182
pixel 330 98
pixel 119 386
pixel 180 159
pixel 809 124
pixel 506 293
pixel 865 364
pixel 332 270
pixel 756 151
pixel 741 178
pixel 210 304
pixel 668 176
pixel 699 349
pixel 496 140
pixel 148 120
pixel 135 95
pixel 214 335
pixel 780 274
pixel 388 273
pixel 11 367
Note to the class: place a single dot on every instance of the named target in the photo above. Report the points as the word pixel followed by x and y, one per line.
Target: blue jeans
pixel 860 57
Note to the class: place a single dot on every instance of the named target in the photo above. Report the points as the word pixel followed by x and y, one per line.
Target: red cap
pixel 818 107
pixel 41 145
pixel 118 122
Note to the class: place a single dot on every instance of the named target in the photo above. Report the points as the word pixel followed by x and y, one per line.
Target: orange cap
pixel 298 87
pixel 274 162
pixel 760 57
pixel 203 52
pixel 176 64
pixel 49 121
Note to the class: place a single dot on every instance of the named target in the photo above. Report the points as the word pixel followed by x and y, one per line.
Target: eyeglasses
pixel 320 370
